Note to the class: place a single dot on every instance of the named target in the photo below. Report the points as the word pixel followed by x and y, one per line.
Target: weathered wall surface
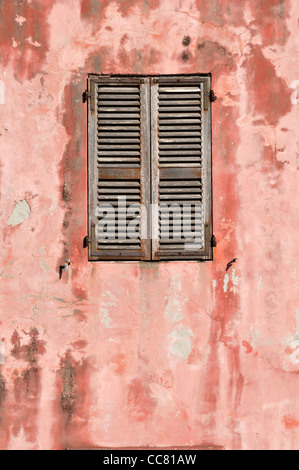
pixel 144 354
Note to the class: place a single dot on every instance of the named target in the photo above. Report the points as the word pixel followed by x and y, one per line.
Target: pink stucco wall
pixel 149 354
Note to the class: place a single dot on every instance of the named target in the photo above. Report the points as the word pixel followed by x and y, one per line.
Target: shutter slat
pixel 117 89
pixel 177 109
pixel 125 130
pixel 174 122
pixel 120 116
pixel 179 97
pixel 178 151
pixel 178 89
pixel 183 190
pixel 121 184
pixel 103 190
pixel 179 159
pixel 179 146
pixel 178 115
pixel 179 140
pixel 181 197
pixel 125 146
pixel 119 160
pixel 119 121
pixel 122 111
pixel 119 104
pixel 124 151
pixel 173 104
pixel 178 131
pixel 169 184
pixel 112 97
pixel 128 141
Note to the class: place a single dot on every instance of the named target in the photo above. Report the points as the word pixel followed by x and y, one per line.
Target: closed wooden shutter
pixel 119 169
pixel 181 168
pixel 149 158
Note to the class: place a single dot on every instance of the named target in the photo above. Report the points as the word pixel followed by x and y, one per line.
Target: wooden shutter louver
pixel 120 172
pixel 180 165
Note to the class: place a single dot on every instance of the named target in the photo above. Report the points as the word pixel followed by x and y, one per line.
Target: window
pixel 149 168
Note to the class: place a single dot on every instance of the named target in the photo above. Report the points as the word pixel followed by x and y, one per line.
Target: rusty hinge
pixel 87 240
pixel 85 96
pixel 213 241
pixel 90 240
pixel 89 95
pixel 213 97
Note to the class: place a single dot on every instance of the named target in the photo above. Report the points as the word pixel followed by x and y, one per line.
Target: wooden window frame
pixel 149 167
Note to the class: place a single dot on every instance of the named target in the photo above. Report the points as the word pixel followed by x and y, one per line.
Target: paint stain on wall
pixel 270 95
pixel 3 391
pixel 141 401
pixel 94 9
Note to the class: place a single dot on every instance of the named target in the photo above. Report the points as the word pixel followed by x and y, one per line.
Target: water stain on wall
pixel 26 383
pixel 73 182
pixel 72 406
pixel 270 95
pixel 24 35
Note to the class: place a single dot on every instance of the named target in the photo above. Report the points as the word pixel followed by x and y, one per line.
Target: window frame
pixel 150 152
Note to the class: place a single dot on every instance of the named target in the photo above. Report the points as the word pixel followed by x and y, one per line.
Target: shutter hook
pixel 64 267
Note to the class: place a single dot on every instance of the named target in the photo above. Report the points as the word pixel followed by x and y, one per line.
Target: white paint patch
pixel 295 94
pixel 106 320
pixel 255 337
pixel 53 207
pixel 235 281
pixel 235 278
pixel 20 213
pixel 214 285
pixel 297 318
pixel 294 357
pixel 33 43
pixel 260 284
pixel 181 345
pixel 173 310
pixel 108 301
pixel 2 92
pixel 20 19
pixel 2 352
pixel 107 422
pixel 276 404
pixel 45 267
pixel 225 283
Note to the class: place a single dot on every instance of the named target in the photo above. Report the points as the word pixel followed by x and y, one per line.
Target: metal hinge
pixel 212 95
pixel 85 96
pixel 87 240
pixel 213 241
pixel 90 95
pixel 90 240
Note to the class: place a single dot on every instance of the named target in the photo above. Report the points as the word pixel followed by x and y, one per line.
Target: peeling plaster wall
pixel 144 354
